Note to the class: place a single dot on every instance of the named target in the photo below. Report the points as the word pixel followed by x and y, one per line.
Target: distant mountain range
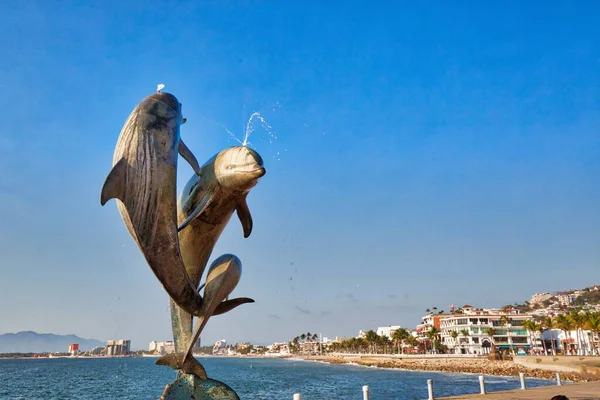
pixel 33 342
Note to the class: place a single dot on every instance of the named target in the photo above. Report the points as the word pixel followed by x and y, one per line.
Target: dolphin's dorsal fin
pixel 197 211
pixel 229 305
pixel 245 217
pixel 114 185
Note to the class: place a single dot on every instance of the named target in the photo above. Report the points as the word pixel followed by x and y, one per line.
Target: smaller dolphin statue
pixel 233 171
pixel 222 277
pixel 143 179
pixel 205 207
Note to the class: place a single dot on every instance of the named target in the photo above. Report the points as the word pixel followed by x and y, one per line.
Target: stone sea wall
pixel 467 365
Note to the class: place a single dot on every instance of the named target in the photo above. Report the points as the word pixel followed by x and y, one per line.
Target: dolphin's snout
pixel 258 172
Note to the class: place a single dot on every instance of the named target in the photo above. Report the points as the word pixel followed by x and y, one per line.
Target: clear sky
pixel 426 155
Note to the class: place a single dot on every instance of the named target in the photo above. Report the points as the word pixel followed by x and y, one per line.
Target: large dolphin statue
pixel 222 277
pixel 205 207
pixel 143 179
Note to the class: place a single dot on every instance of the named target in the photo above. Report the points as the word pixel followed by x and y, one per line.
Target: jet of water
pixel 250 127
pixel 233 136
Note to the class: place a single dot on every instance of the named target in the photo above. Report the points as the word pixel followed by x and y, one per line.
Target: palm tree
pixel 399 336
pixel 371 339
pixel 506 322
pixel 303 336
pixel 383 341
pixel 593 324
pixel 465 333
pixel 541 329
pixel 565 324
pixel 413 341
pixel 579 322
pixel 549 324
pixel 454 335
pixel 490 332
pixel 433 334
pixel 531 327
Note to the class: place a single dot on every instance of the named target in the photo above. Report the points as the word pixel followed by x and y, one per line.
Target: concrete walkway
pixel 574 391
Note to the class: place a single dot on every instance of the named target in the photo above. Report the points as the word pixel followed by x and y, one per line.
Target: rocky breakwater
pixel 460 365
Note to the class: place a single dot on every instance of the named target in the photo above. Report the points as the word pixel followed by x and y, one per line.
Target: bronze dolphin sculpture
pixel 205 207
pixel 143 179
pixel 222 277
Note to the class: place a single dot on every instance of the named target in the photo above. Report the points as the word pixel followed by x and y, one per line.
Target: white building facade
pixel 387 330
pixel 478 329
pixel 162 347
pixel 539 297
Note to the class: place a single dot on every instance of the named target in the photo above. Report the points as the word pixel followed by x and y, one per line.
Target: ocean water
pixel 252 378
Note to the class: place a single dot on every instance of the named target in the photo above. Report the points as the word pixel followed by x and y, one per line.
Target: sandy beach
pixel 480 366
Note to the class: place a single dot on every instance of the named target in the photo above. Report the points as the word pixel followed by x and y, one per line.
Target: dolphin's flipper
pixel 229 305
pixel 245 217
pixel 189 366
pixel 114 185
pixel 188 156
pixel 201 206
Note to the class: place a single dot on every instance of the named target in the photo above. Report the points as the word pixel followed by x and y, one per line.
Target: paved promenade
pixel 574 391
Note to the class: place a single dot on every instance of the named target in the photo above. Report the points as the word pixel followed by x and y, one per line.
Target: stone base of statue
pixel 191 387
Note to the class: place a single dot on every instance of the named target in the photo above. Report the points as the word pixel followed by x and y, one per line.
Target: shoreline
pixel 477 366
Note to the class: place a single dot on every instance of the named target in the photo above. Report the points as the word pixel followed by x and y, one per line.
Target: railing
pixel 430 396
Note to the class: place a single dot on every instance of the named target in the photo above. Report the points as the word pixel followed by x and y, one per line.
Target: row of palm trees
pixel 373 343
pixel 574 321
pixel 303 338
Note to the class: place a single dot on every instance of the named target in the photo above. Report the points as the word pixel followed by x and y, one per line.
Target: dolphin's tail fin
pixel 228 305
pixel 189 365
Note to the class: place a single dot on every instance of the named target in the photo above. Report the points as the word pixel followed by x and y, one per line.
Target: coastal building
pixel 278 348
pixel 220 346
pixel 540 312
pixel 429 321
pixel 197 345
pixel 98 351
pixel 539 297
pixel 387 330
pixel 74 349
pixel 566 299
pixel 242 346
pixel 118 347
pixel 162 348
pixel 478 329
pixel 584 342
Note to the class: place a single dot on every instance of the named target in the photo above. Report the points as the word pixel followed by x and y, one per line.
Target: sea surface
pixel 252 378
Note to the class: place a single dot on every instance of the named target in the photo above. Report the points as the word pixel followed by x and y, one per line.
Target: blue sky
pixel 425 155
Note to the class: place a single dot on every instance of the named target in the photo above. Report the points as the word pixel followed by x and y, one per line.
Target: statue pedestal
pixel 189 387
